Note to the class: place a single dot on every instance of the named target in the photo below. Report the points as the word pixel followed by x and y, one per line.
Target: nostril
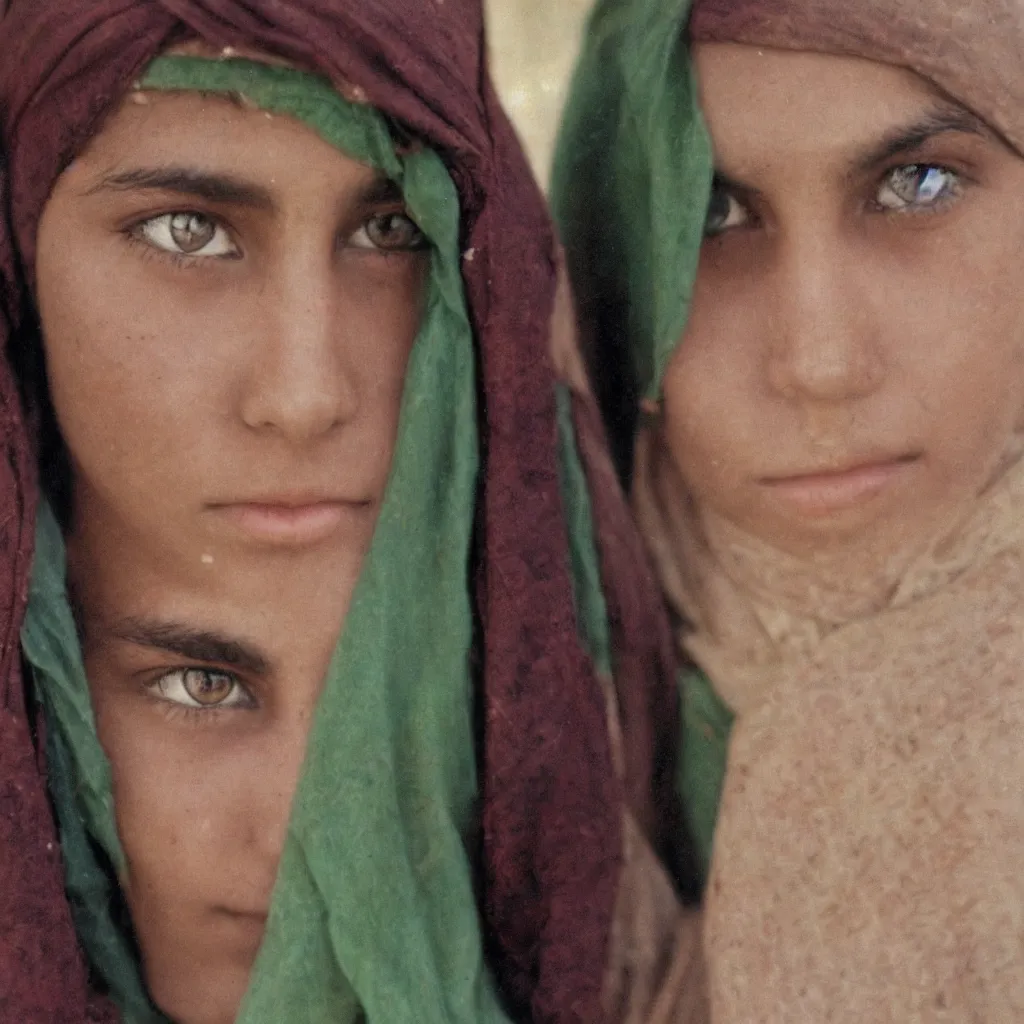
pixel 299 410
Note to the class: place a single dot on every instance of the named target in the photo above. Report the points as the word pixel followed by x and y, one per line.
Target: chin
pixel 204 997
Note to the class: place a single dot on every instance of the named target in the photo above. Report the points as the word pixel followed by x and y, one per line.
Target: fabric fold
pixel 512 698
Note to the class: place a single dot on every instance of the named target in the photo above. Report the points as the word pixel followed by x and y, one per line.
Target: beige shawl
pixel 868 855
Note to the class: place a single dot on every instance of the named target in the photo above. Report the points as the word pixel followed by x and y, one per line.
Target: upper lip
pixel 839 467
pixel 290 501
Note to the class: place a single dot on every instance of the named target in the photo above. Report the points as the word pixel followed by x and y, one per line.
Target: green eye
pixel 192 231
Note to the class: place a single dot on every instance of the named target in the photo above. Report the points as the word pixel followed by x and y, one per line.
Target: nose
pixel 299 384
pixel 825 347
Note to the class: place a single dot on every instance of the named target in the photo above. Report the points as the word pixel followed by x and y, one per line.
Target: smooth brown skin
pixel 835 322
pixel 267 367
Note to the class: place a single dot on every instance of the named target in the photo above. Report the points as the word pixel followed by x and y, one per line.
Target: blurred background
pixel 533 51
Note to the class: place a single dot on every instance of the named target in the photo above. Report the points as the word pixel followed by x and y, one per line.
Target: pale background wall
pixel 533 50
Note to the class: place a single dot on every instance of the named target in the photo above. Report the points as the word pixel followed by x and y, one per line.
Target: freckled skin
pixel 178 387
pixel 825 328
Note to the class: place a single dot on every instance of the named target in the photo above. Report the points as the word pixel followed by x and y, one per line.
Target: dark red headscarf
pixel 552 805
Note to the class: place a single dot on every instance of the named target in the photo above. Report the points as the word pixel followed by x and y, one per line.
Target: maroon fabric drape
pixel 551 805
pixel 971 49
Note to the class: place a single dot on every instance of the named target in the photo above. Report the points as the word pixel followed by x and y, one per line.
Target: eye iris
pixel 207 687
pixel 191 231
pixel 393 231
pixel 918 184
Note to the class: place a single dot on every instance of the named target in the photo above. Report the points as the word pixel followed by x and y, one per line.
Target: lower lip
pixel 294 525
pixel 823 494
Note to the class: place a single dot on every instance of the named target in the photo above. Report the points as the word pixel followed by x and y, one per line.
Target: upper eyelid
pixel 152 674
pixel 958 176
pixel 156 675
pixel 369 212
pixel 377 208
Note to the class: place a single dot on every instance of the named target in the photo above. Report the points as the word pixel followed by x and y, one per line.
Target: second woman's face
pixel 228 306
pixel 853 368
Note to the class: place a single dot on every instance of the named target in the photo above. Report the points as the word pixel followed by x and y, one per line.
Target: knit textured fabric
pixel 866 853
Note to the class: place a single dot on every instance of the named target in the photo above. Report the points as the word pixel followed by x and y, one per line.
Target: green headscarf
pixel 373 915
pixel 631 184
pixel 632 175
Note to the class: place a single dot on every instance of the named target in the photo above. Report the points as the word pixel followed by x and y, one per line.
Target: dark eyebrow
pixel 381 190
pixel 944 117
pixel 224 188
pixel 216 188
pixel 195 644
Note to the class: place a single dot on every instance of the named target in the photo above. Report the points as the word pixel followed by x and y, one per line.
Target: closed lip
pixel 254 916
pixel 288 499
pixel 291 520
pixel 840 468
pixel 245 930
pixel 827 489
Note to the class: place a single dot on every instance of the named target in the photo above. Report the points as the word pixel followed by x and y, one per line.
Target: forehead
pixel 192 129
pixel 763 101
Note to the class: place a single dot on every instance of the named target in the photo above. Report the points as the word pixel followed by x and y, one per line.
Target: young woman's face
pixel 853 368
pixel 228 305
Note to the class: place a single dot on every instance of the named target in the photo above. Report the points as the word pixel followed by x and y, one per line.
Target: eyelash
pixel 183 261
pixel 939 205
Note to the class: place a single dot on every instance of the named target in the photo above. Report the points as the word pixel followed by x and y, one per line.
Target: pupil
pixel 919 184
pixel 392 231
pixel 388 225
pixel 206 687
pixel 191 231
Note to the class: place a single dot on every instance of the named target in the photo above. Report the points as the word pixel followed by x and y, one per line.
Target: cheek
pixel 977 404
pixel 122 369
pixel 707 411
pixel 172 800
pixel 963 364
pixel 384 315
pixel 383 308
pixel 181 808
